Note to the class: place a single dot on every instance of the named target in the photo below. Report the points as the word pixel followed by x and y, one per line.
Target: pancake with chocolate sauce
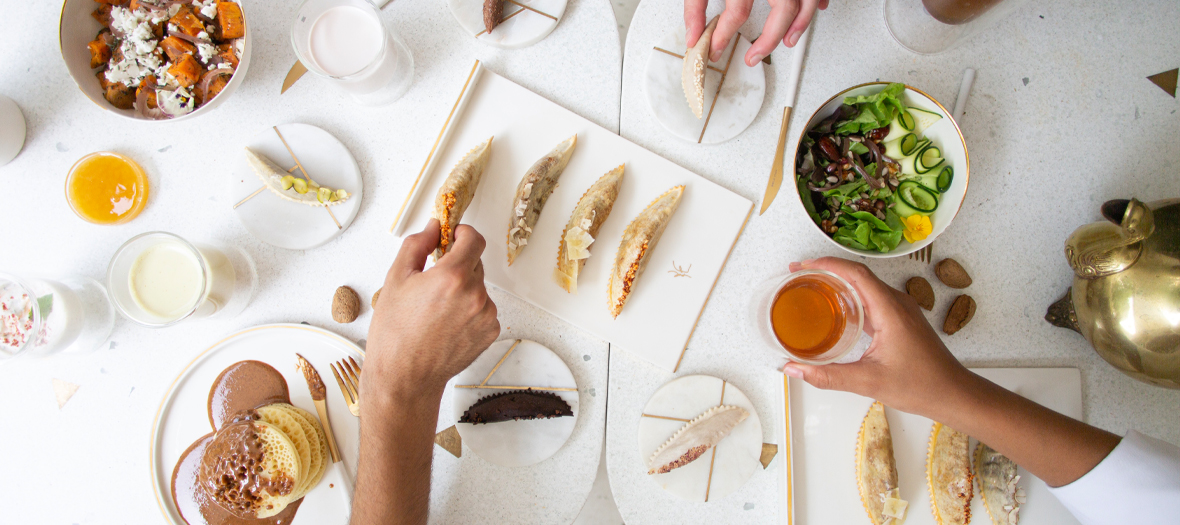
pixel 249 471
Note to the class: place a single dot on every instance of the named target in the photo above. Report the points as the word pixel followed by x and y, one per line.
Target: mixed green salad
pixel 866 175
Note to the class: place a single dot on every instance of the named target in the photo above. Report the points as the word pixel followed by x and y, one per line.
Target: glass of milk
pixel 41 316
pixel 345 42
pixel 159 279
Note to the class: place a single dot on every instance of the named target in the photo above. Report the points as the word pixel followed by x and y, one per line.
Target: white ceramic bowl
pixel 945 134
pixel 77 28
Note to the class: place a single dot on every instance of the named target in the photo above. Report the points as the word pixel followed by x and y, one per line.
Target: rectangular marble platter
pixel 661 314
pixel 824 428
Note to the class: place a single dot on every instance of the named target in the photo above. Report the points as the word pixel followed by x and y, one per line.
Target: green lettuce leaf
pixel 876 110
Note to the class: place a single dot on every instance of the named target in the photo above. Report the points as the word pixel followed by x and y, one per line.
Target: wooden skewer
pixel 502 20
pixel 546 15
pixel 667 417
pixel 497 367
pixel 248 197
pixel 677 55
pixel 506 387
pixel 714 104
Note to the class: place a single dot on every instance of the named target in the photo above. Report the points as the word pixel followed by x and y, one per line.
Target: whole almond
pixel 919 288
pixel 961 312
pixel 376 294
pixel 952 274
pixel 346 305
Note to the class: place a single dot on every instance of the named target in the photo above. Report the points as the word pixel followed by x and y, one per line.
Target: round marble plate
pixel 736 457
pixel 739 101
pixel 515 443
pixel 273 220
pixel 519 27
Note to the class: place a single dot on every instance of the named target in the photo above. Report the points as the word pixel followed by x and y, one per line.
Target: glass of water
pixel 345 42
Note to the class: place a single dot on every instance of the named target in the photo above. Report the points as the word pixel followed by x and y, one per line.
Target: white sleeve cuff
pixel 1138 482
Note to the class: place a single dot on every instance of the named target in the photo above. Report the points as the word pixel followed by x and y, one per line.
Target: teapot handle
pixel 1098 250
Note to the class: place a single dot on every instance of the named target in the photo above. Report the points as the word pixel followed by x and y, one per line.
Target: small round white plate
pixel 515 443
pixel 183 415
pixel 278 222
pixel 519 26
pixel 715 474
pixel 737 104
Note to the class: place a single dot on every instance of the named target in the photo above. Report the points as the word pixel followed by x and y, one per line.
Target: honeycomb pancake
pixel 695 438
pixel 532 192
pixel 250 468
pixel 589 214
pixel 639 240
pixel 292 425
pixel 456 194
pixel 319 447
pixel 876 470
pixel 948 475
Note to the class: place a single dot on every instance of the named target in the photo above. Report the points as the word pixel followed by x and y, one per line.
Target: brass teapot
pixel 1125 297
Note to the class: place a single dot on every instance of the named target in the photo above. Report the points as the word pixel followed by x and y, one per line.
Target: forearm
pixel 393 472
pixel 1055 448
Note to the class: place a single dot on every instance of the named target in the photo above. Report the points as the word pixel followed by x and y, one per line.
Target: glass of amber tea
pixel 814 316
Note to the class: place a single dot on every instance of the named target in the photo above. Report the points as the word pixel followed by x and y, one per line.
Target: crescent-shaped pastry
pixel 639 240
pixel 695 438
pixel 591 211
pixel 456 193
pixel 876 471
pixel 692 74
pixel 516 405
pixel 948 475
pixel 290 187
pixel 998 487
pixel 532 192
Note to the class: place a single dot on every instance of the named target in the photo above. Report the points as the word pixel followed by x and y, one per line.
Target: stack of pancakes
pixel 264 460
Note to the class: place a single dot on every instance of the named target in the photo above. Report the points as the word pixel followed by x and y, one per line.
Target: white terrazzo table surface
pixel 96 448
pixel 1060 120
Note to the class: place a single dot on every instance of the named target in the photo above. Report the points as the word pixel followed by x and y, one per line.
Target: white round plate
pixel 183 414
pixel 739 101
pixel 515 443
pixel 278 222
pixel 736 457
pixel 945 134
pixel 520 27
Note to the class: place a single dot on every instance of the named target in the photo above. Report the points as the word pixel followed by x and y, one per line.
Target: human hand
pixel 429 325
pixel 786 21
pixel 907 367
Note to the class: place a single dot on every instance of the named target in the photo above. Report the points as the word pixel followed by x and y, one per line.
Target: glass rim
pixel 140 198
pixel 309 62
pixel 200 261
pixel 38 321
pixel 859 305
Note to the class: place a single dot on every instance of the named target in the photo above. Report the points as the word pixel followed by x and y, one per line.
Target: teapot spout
pixel 1062 314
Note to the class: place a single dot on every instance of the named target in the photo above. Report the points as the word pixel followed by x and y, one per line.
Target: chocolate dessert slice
pixel 516 405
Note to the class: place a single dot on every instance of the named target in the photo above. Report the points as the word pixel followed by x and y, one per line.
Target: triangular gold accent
pixel 769 451
pixel 1166 81
pixel 450 441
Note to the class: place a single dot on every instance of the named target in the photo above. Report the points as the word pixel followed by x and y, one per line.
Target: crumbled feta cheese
pixel 173 9
pixel 137 48
pixel 203 36
pixel 225 65
pixel 207 8
pixel 206 52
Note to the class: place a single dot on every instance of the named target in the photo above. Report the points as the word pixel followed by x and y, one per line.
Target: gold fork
pixel 924 254
pixel 348 376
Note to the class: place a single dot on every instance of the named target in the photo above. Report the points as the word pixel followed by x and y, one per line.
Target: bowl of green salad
pixel 882 169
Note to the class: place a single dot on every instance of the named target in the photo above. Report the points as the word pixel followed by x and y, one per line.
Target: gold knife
pixel 318 394
pixel 298 69
pixel 794 69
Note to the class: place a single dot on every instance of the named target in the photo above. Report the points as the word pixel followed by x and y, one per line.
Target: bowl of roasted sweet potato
pixel 155 59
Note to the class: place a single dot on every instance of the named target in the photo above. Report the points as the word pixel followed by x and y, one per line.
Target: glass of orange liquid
pixel 106 188
pixel 814 316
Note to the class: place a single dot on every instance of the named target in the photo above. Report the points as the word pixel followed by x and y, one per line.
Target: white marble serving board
pixel 738 102
pixel 737 456
pixel 826 423
pixel 515 30
pixel 661 313
pixel 291 225
pixel 515 443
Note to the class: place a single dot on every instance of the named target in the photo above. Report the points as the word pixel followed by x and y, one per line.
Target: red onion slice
pixel 149 85
pixel 191 39
pixel 208 79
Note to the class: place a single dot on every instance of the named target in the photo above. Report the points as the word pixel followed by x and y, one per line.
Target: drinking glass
pixel 850 345
pixel 927 27
pixel 12 130
pixel 382 80
pixel 41 316
pixel 224 279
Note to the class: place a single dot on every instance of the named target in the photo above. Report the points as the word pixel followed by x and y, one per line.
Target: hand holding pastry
pixel 786 21
pixel 429 325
